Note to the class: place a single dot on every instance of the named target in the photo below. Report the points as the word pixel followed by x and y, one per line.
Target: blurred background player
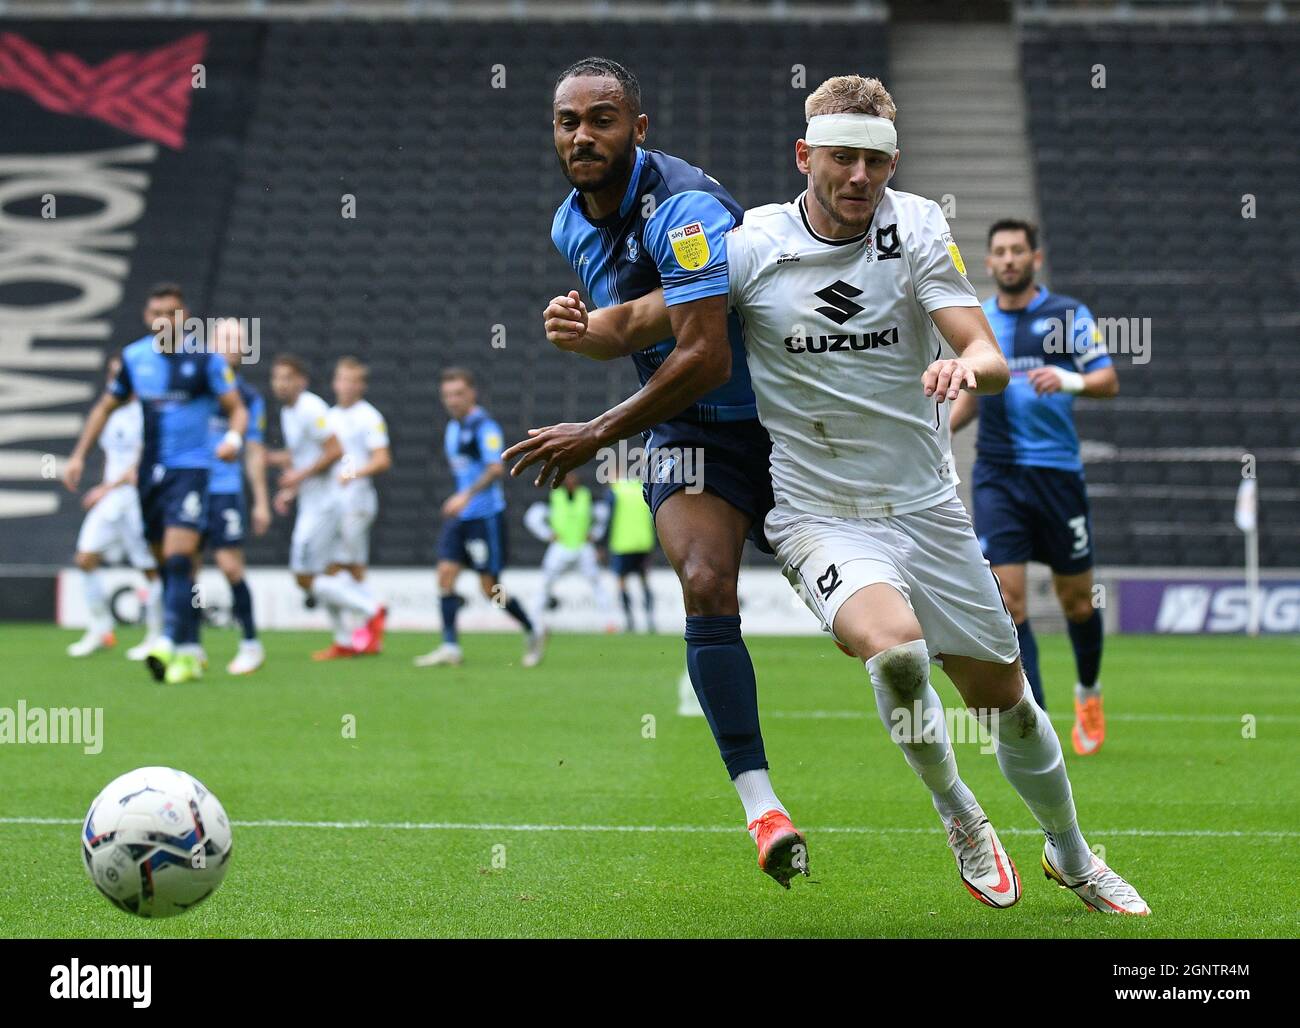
pixel 569 522
pixel 311 451
pixel 1027 484
pixel 473 519
pixel 363 434
pixel 228 512
pixel 630 541
pixel 114 528
pixel 180 387
pixel 638 220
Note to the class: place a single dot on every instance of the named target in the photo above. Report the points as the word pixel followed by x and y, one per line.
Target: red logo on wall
pixel 145 93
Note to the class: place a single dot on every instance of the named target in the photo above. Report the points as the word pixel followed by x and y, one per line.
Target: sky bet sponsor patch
pixel 690 245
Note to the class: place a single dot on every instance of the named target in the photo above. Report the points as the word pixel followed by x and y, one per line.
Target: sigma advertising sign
pixel 1191 606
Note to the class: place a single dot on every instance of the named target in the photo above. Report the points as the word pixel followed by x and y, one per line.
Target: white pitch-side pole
pixel 1247 519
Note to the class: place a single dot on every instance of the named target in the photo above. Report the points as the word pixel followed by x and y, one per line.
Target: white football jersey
pixel 838 334
pixel 361 431
pixel 122 440
pixel 306 425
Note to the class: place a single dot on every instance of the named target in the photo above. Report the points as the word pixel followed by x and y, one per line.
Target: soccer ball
pixel 156 842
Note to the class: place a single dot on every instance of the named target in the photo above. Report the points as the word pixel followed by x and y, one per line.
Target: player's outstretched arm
pixel 606 332
pixel 95 422
pixel 979 366
pixel 700 362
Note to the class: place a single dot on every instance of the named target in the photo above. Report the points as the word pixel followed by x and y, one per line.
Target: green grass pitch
pixel 488 800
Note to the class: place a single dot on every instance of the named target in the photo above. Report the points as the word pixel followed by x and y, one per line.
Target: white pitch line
pixel 1224 719
pixel 463 826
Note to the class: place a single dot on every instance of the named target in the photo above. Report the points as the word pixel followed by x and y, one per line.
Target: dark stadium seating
pixel 456 183
pixel 1141 186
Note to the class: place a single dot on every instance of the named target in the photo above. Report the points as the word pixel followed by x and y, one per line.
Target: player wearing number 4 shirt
pixel 181 385
pixel 1030 498
pixel 845 294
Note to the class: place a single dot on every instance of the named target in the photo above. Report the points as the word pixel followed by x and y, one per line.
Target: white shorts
pixel 315 537
pixel 560 559
pixel 114 529
pixel 358 510
pixel 931 556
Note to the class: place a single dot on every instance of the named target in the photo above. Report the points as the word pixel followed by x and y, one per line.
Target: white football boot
pixel 250 657
pixel 444 654
pixel 1101 889
pixel 93 641
pixel 138 653
pixel 986 868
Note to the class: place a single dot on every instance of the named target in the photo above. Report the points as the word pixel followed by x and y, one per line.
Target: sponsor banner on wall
pixel 118 158
pixel 768 604
pixel 1206 605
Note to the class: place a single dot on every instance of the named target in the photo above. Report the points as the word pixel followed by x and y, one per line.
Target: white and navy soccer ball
pixel 156 842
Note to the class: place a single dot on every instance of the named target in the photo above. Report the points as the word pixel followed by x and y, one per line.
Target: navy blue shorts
pixel 173 498
pixel 227 521
pixel 628 563
pixel 736 465
pixel 478 543
pixel 1038 514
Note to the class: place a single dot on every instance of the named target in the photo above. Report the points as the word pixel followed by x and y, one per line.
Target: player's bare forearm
pixel 490 474
pixel 608 332
pixel 90 432
pixel 380 461
pixel 235 411
pixel 331 453
pixel 699 363
pixel 1101 384
pixel 255 468
pixel 968 332
pixel 984 357
pixel 95 422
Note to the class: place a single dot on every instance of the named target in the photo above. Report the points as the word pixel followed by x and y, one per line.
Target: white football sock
pixel 756 793
pixel 341 589
pixel 1084 692
pixel 1030 757
pixel 342 634
pixel 100 621
pixel 153 608
pixel 900 678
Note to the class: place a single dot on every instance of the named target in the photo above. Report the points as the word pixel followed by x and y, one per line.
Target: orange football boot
pixel 1089 730
pixel 334 652
pixel 782 848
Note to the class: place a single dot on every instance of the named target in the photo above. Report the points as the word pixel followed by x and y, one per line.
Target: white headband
pixel 861 131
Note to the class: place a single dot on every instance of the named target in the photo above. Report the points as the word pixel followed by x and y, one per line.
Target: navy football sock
pixel 1029 661
pixel 451 603
pixel 723 677
pixel 649 599
pixel 242 608
pixel 1085 637
pixel 178 605
pixel 517 612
